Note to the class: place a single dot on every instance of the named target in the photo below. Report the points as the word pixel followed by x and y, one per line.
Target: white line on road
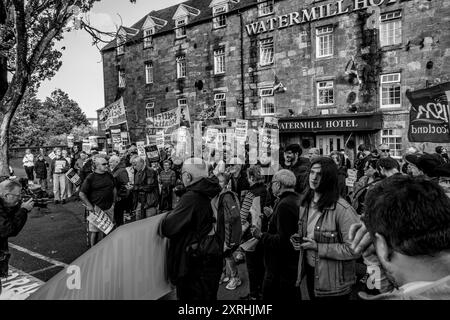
pixel 37 255
pixel 43 269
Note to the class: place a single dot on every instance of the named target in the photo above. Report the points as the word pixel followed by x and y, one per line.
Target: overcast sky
pixel 81 74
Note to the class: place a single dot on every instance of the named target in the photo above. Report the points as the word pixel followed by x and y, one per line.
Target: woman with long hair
pixel 326 260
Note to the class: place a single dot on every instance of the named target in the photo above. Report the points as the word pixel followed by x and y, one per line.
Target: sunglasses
pixel 385 150
pixel 104 164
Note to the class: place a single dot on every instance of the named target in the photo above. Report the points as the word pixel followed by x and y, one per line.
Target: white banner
pixel 113 114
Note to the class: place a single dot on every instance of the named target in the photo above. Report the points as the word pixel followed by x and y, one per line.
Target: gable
pixel 181 13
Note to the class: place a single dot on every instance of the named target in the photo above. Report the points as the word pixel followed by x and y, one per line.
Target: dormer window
pixel 148 37
pixel 120 45
pixel 220 19
pixel 180 30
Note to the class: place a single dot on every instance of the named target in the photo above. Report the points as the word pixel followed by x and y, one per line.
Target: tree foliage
pixel 39 123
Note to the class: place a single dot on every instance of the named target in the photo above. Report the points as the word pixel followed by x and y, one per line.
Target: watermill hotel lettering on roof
pixel 335 73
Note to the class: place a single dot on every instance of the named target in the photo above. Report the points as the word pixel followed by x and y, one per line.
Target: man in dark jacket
pixel 280 258
pixel 146 189
pixel 40 167
pixel 123 188
pixel 196 274
pixel 297 164
pixel 13 216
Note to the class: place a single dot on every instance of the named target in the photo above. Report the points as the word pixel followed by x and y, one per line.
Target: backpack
pixel 232 228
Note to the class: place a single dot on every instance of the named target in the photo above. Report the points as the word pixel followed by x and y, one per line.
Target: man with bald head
pixel 195 272
pixel 13 215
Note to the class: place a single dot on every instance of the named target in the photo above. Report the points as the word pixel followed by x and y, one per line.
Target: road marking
pixel 37 255
pixel 43 269
pixel 19 285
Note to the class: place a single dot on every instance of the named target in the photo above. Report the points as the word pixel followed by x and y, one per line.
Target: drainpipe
pixel 242 65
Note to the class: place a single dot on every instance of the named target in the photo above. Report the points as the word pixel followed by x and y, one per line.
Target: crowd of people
pixel 307 225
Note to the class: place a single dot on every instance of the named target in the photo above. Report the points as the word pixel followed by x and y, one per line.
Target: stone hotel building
pixel 335 72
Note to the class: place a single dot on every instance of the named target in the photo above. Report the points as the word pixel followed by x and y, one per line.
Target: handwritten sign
pixel 166 119
pixel 141 148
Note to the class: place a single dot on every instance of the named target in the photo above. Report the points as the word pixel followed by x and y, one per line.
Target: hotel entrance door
pixel 327 144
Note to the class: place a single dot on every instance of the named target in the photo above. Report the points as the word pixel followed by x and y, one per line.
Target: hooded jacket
pixel 192 218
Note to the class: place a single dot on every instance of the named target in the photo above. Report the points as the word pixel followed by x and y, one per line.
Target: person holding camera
pixel 13 215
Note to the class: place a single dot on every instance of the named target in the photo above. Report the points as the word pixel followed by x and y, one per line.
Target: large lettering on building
pixel 429 115
pixel 315 13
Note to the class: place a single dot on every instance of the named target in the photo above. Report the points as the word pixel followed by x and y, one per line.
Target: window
pixel 390 90
pixel 267 101
pixel 219 61
pixel 122 79
pixel 148 72
pixel 148 39
pixel 391 28
pixel 325 93
pixel 150 110
pixel 324 42
pixel 221 103
pixel 220 19
pixel 181 67
pixel 266 52
pixel 120 45
pixel 393 138
pixel 265 7
pixel 180 30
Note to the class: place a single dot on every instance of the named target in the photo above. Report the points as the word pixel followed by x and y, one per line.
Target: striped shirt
pixel 245 210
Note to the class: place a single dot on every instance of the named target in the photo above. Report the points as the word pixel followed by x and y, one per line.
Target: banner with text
pixel 429 115
pixel 112 115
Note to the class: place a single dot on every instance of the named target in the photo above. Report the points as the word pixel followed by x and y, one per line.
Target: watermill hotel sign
pixel 312 14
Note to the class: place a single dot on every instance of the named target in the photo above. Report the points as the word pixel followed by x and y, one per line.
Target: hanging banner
pixel 164 120
pixel 112 115
pixel 429 115
pixel 129 264
pixel 241 130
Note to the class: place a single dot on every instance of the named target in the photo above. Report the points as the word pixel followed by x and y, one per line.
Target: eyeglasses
pixel 384 150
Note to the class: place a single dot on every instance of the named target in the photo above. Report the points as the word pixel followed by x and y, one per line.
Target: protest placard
pixel 152 153
pixel 140 145
pixel 101 220
pixel 241 130
pixel 73 177
pixel 351 179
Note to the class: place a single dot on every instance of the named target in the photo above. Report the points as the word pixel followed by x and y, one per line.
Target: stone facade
pixel 425 38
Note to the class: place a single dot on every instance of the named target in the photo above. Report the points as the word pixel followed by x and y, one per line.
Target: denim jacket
pixel 335 263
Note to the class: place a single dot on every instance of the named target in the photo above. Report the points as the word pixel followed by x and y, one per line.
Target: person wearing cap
pixel 423 164
pixel 441 151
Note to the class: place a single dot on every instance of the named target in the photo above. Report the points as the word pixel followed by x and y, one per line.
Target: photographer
pixel 13 215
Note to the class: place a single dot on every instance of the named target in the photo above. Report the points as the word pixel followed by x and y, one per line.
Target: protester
pixel 423 164
pixel 75 152
pixel 69 184
pixel 123 188
pixel 87 168
pixel 325 260
pixel 280 258
pixel 239 181
pixel 407 226
pixel 441 151
pixel 98 190
pixel 145 190
pixel 28 165
pixel 229 207
pixel 387 167
pixel 360 161
pixel 13 216
pixel 371 176
pixel 384 151
pixel 40 168
pixel 297 164
pixel 339 159
pixel 313 153
pixel 59 167
pixel 190 228
pixel 81 161
pixel 347 162
pixel 168 180
pixel 255 201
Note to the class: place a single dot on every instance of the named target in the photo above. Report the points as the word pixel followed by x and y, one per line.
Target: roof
pixel 193 6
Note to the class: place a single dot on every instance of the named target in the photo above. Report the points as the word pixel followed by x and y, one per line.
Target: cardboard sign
pixel 152 153
pixel 52 155
pixel 141 148
pixel 73 177
pixel 241 130
pixel 350 181
pixel 101 220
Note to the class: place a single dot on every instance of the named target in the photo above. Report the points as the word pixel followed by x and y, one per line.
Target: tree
pixel 29 30
pixel 37 123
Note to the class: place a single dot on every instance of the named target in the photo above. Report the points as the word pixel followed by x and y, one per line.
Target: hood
pixel 207 186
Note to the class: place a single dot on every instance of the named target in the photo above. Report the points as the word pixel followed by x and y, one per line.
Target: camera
pixel 39 196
